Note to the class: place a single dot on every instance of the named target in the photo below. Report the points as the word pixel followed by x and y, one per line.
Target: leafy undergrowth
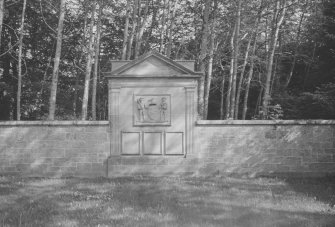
pixel 166 201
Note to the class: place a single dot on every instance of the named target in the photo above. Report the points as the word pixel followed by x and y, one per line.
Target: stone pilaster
pixel 190 119
pixel 114 118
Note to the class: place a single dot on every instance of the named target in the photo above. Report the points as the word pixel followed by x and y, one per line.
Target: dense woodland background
pixel 263 59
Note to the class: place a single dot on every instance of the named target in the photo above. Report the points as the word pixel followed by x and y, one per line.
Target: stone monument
pixel 152 108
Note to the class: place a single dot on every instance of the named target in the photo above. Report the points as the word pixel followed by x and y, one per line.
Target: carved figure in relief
pixel 163 108
pixel 151 109
pixel 140 108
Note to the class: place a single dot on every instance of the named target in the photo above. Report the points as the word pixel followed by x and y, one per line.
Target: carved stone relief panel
pixel 152 110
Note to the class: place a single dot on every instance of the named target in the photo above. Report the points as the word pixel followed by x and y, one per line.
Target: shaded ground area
pixel 167 201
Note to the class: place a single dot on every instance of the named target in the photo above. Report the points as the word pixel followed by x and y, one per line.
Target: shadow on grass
pixel 322 189
pixel 146 201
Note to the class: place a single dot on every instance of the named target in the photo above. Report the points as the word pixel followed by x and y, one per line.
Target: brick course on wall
pixel 303 148
pixel 252 148
pixel 59 148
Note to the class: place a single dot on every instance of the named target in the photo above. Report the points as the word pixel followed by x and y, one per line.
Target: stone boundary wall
pixel 282 147
pixel 69 148
pixel 54 148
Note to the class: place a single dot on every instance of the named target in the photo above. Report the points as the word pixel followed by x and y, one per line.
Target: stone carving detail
pixel 152 110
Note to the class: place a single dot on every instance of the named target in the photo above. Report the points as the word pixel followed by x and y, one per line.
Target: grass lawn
pixel 167 201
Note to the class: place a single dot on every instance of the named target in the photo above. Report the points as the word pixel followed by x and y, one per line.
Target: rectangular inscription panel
pixel 174 143
pixel 152 143
pixel 130 143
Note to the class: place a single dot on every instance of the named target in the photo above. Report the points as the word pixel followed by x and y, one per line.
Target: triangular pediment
pixel 152 64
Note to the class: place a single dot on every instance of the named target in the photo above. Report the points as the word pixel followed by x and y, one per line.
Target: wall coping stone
pixel 263 122
pixel 53 123
pixel 198 122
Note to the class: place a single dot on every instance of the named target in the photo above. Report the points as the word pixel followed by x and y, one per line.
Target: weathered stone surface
pixel 57 150
pixel 218 149
pixel 289 147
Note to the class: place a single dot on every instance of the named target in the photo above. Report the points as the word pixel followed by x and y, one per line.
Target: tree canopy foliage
pixel 261 59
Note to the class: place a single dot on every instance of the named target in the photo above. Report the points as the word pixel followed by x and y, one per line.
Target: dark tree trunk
pixel 88 67
pixel 276 23
pixel 133 30
pixel 2 10
pixel 53 92
pixel 96 64
pixel 202 57
pixel 19 79
pixel 235 57
pixel 125 32
pixel 230 82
